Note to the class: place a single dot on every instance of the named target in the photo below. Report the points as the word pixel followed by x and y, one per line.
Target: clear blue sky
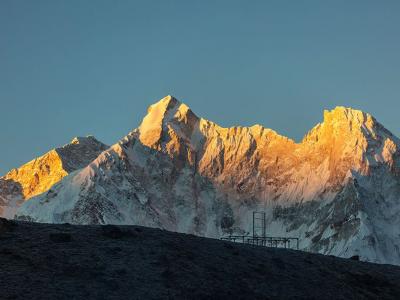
pixel 71 68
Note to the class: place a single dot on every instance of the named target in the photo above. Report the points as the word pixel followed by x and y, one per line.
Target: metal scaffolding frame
pixel 260 237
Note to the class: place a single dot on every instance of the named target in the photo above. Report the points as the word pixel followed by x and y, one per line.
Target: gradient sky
pixel 70 68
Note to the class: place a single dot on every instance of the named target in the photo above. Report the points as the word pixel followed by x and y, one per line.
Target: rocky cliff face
pixel 38 175
pixel 337 190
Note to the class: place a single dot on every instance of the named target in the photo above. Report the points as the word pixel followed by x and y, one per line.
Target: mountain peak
pixel 163 104
pixel 344 123
pixel 341 114
pixel 83 139
pixel 38 175
pixel 165 113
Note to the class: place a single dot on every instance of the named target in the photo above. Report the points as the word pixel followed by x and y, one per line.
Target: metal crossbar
pixel 267 241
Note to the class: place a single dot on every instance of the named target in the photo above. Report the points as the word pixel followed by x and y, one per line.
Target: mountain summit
pixel 337 190
pixel 38 175
pixel 166 116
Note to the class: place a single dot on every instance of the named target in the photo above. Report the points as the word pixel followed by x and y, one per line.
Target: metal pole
pixel 264 224
pixel 253 223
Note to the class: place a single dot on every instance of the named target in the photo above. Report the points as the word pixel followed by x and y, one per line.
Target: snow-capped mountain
pixel 337 190
pixel 38 175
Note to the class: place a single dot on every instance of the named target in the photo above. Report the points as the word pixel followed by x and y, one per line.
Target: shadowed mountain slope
pixel 47 261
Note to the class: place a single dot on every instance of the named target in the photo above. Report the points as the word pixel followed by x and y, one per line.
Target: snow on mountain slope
pixel 337 190
pixel 38 175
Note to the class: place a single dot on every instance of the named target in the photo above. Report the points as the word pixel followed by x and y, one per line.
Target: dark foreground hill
pixel 41 261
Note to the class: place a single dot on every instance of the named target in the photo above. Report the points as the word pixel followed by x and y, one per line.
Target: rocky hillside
pixel 337 190
pixel 40 261
pixel 38 175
